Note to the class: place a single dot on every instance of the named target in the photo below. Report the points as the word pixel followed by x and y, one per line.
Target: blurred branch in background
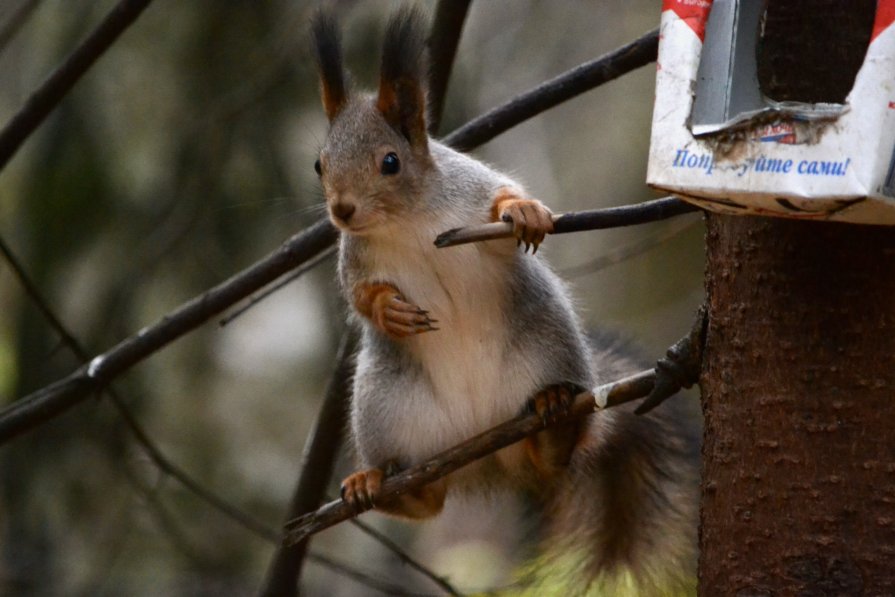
pixel 316 468
pixel 58 397
pixel 210 168
pixel 316 465
pixel 50 401
pixel 403 556
pixel 576 81
pixel 626 252
pixel 19 17
pixel 443 41
pixel 58 84
pixel 299 272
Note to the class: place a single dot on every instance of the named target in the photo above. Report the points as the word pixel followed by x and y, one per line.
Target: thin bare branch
pixel 59 83
pixel 316 469
pixel 248 522
pixel 299 272
pixel 555 91
pixel 626 252
pixel 509 432
pixel 15 22
pixel 446 29
pixel 383 586
pixel 169 526
pixel 317 463
pixel 37 299
pixel 596 219
pixel 152 450
pixel 403 556
pixel 58 397
pixel 167 466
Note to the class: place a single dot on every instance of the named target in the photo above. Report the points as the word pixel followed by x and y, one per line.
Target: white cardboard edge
pixel 840 177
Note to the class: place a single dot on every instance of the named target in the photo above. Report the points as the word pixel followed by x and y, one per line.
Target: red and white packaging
pixel 840 166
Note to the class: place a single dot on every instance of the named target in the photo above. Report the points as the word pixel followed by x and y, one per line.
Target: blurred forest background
pixel 183 156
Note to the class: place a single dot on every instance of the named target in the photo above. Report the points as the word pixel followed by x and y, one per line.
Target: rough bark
pixel 799 376
pixel 798 388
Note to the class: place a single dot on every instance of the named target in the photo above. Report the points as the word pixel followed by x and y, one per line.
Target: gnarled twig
pixel 610 217
pixel 574 82
pixel 509 432
pixel 58 84
pixel 56 398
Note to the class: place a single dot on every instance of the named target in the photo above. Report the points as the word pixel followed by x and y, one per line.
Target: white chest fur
pixel 473 380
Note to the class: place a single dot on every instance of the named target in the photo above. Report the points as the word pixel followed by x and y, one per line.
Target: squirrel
pixel 457 341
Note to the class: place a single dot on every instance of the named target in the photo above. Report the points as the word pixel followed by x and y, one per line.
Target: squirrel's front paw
pixel 399 319
pixel 384 305
pixel 531 219
pixel 361 488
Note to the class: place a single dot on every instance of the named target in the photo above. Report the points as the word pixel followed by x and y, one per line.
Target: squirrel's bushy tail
pixel 624 519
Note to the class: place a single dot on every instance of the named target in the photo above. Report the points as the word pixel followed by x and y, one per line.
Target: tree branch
pixel 378 584
pixel 403 556
pixel 60 82
pixel 555 91
pixel 58 397
pixel 610 217
pixel 155 454
pixel 509 432
pixel 626 252
pixel 169 468
pixel 316 469
pixel 15 22
pixel 446 29
pixel 294 275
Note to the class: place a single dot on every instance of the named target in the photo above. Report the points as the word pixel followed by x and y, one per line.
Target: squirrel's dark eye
pixel 317 168
pixel 390 164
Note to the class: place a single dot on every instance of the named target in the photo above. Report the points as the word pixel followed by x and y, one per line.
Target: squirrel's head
pixel 376 156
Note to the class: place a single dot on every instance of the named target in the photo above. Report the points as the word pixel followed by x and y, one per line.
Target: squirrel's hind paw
pixel 552 402
pixel 550 451
pixel 361 488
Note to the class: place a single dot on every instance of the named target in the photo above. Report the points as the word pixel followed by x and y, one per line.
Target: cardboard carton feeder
pixel 718 142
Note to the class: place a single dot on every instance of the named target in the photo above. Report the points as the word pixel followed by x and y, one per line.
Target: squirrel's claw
pixel 360 489
pixel 531 220
pixel 400 319
pixel 552 403
pixel 384 305
pixel 550 450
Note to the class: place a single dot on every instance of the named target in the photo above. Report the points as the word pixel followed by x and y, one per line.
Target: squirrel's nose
pixel 343 211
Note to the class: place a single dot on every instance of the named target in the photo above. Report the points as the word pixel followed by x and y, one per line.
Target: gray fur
pixel 627 500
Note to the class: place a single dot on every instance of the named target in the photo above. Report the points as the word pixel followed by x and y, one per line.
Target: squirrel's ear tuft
pixel 402 91
pixel 327 49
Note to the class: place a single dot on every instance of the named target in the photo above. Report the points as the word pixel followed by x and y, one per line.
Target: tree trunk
pixel 799 376
pixel 798 387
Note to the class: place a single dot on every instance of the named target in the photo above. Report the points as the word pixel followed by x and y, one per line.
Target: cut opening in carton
pixel 749 73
